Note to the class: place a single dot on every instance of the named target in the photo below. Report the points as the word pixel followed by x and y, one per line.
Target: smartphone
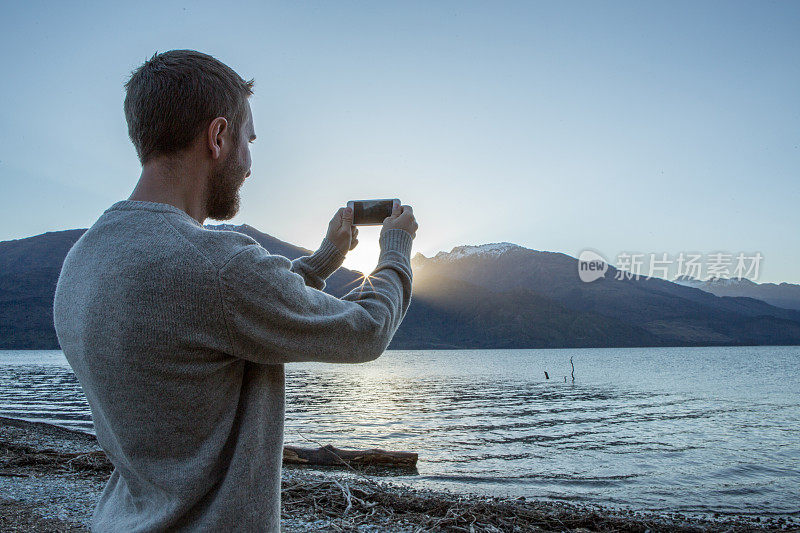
pixel 371 212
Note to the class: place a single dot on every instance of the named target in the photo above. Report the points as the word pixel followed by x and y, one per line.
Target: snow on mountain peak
pixel 492 249
pixel 717 281
pixel 729 282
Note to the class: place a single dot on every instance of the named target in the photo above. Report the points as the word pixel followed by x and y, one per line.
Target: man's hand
pixel 402 217
pixel 341 230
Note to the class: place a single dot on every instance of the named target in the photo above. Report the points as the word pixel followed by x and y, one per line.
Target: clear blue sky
pixel 617 126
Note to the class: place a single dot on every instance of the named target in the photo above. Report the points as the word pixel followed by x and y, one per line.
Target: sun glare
pixel 364 257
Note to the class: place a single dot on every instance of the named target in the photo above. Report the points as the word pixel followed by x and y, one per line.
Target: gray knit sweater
pixel 178 335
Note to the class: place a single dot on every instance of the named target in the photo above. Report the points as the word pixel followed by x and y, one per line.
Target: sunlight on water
pixel 691 429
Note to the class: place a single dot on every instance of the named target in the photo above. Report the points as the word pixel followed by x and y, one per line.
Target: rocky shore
pixel 50 478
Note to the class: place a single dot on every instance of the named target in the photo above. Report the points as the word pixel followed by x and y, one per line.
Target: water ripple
pixel 640 427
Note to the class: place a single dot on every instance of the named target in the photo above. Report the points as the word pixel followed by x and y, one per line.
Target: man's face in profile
pixel 222 201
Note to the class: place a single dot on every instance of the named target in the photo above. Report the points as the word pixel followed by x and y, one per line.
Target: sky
pixel 620 127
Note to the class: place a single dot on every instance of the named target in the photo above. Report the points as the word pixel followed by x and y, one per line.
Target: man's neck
pixel 156 184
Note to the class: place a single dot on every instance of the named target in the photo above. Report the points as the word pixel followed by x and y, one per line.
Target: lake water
pixel 695 430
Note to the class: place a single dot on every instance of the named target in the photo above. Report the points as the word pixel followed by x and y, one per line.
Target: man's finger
pixel 407 214
pixel 346 215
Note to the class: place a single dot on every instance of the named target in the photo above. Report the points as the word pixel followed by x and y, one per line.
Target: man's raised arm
pixel 272 316
pixel 316 268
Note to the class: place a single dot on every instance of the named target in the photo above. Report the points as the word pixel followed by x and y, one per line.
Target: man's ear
pixel 217 136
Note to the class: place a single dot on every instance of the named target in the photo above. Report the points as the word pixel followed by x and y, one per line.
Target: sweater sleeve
pixel 315 268
pixel 273 317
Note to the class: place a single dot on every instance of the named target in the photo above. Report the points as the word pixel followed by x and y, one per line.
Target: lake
pixel 696 430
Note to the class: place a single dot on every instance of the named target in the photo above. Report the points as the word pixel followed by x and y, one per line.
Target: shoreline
pixel 50 478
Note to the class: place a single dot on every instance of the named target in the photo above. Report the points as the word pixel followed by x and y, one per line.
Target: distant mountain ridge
pixel 786 295
pixel 496 295
pixel 674 314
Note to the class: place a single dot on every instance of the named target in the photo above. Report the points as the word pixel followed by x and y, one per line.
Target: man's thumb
pixel 396 209
pixel 347 217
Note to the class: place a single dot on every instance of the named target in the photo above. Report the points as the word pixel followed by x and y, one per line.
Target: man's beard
pixel 222 201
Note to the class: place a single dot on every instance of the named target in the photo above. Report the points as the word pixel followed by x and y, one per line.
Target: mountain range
pixel 778 294
pixel 497 295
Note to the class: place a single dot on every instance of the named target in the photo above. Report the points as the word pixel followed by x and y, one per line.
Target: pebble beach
pixel 51 477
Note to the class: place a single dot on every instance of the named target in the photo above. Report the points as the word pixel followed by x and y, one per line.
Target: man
pixel 178 334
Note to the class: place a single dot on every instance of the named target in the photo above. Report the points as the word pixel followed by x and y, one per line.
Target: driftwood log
pixel 15 455
pixel 331 456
